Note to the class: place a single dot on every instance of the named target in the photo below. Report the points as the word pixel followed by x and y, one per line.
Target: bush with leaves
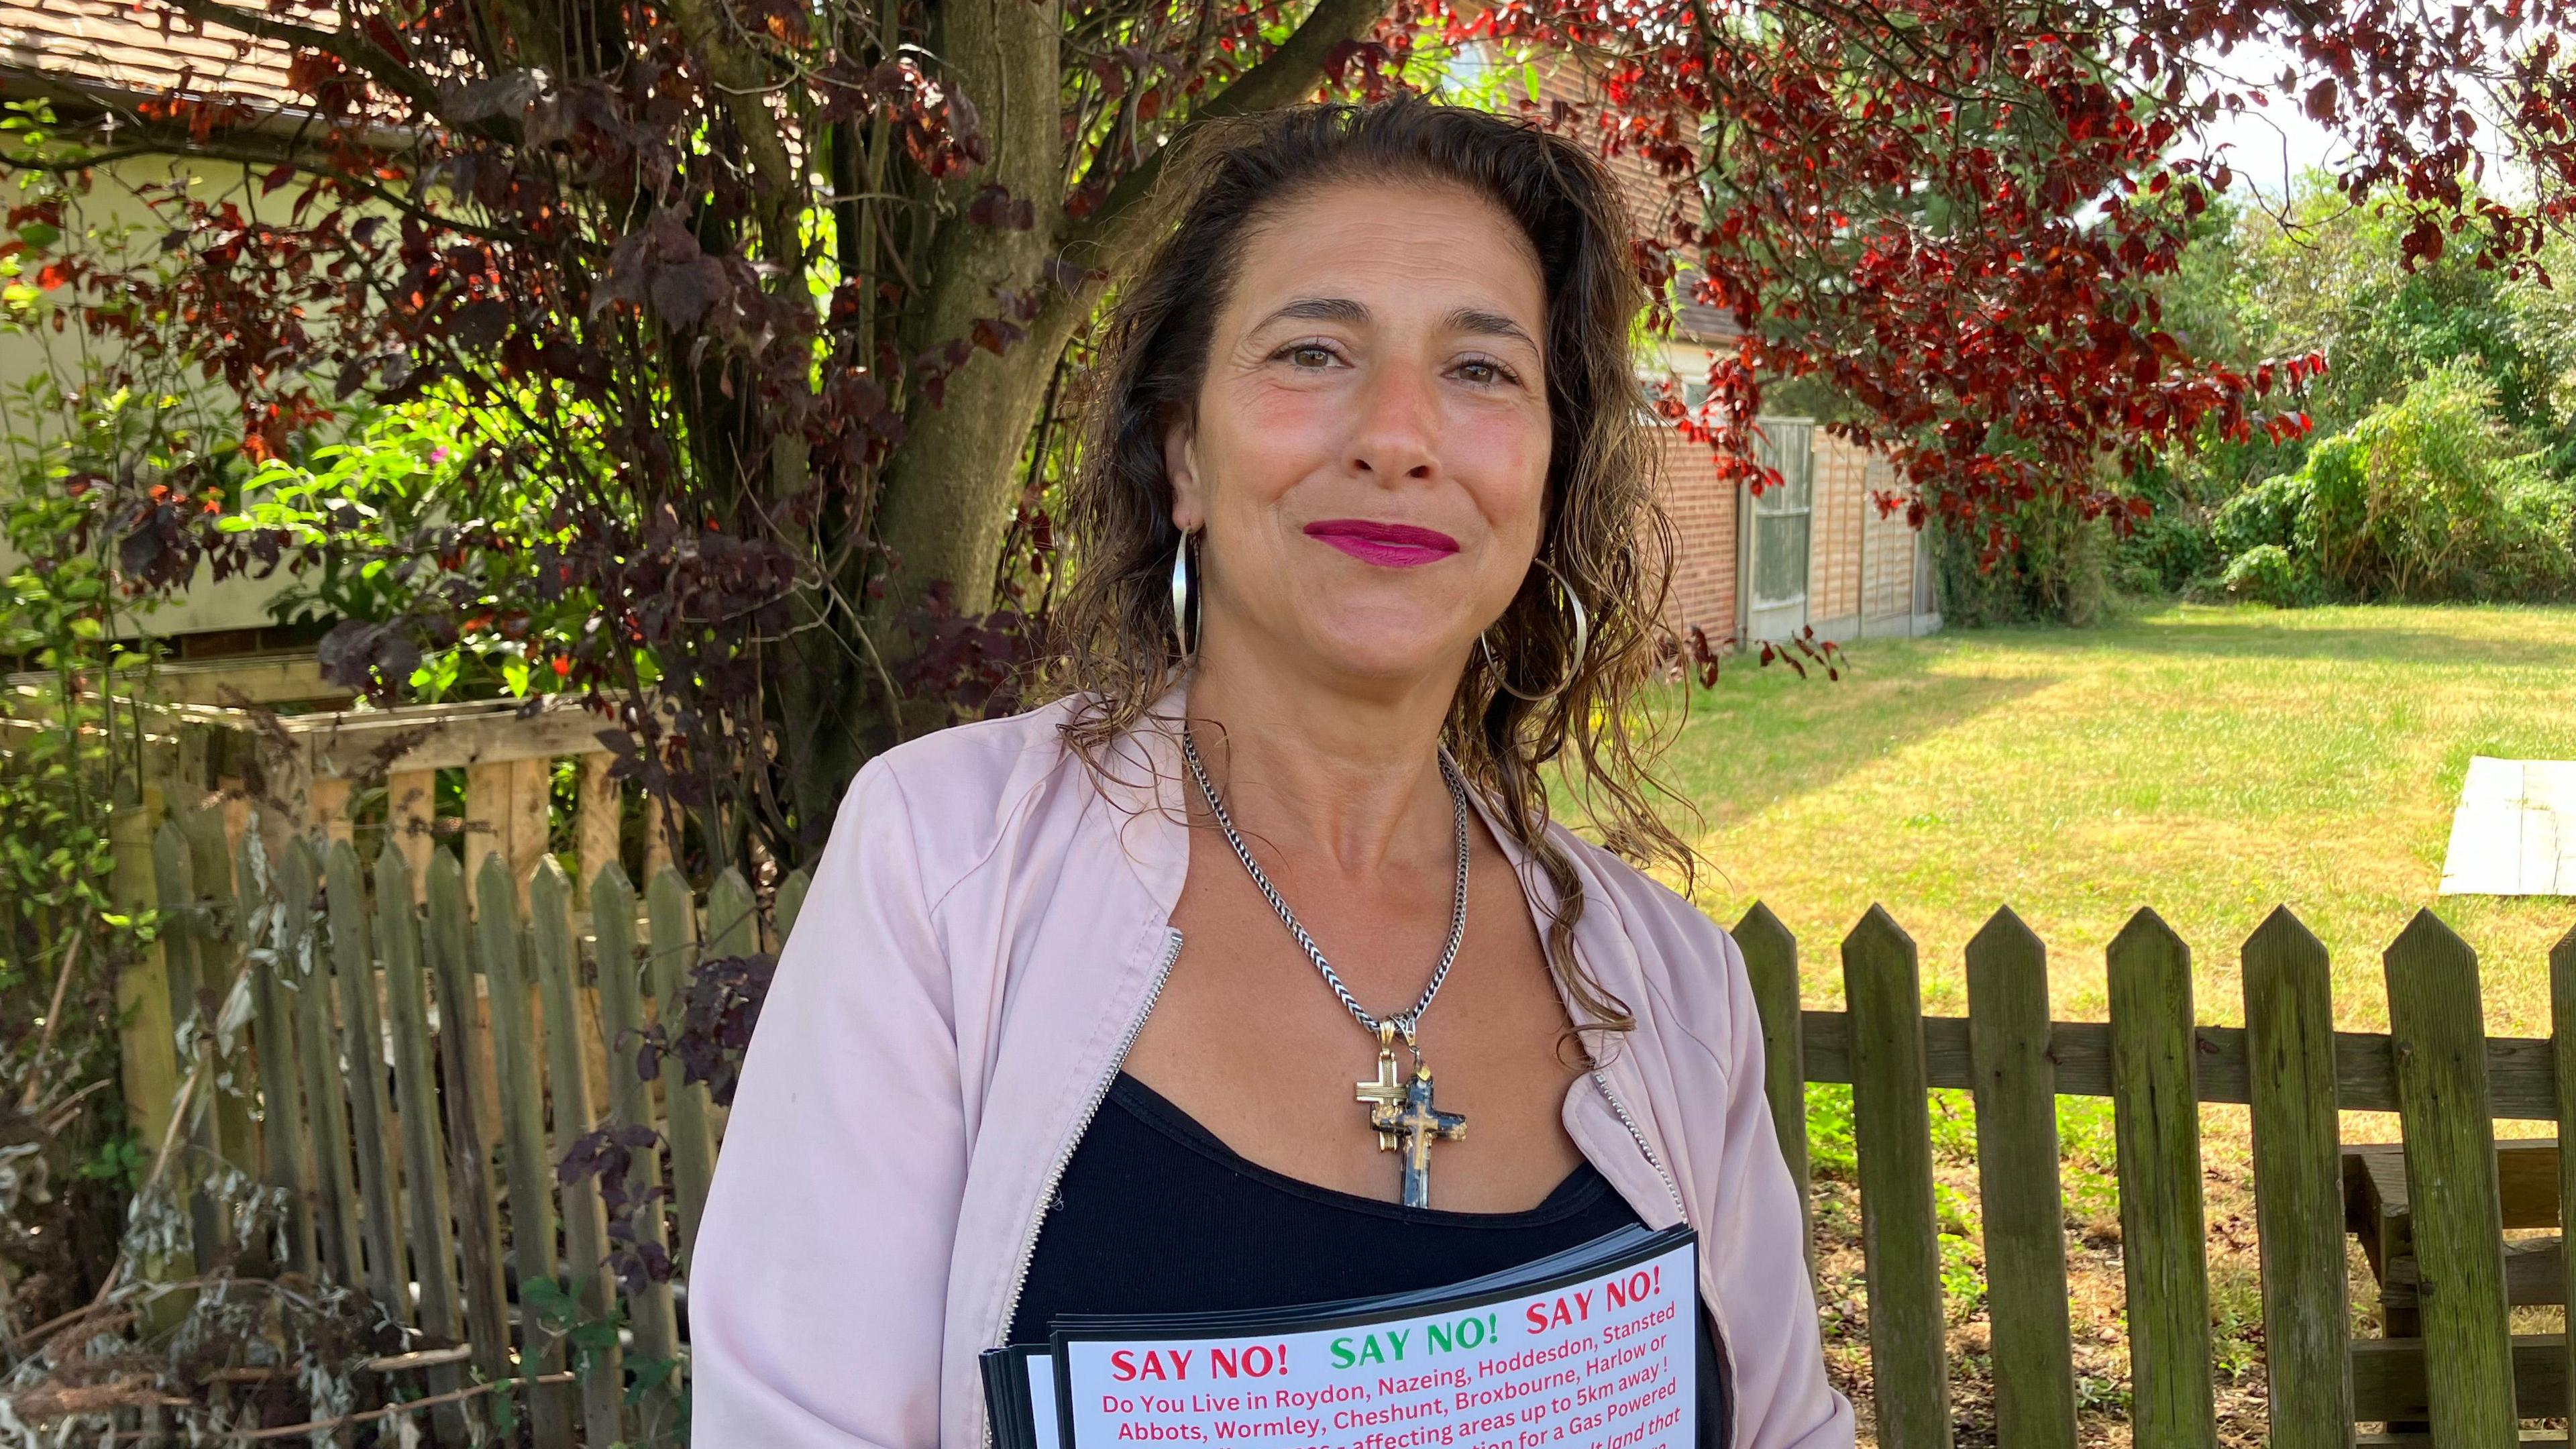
pixel 2433 496
pixel 2046 561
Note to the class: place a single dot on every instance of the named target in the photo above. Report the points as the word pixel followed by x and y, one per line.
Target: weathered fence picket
pixel 469 1154
pixel 278 923
pixel 621 1020
pixel 362 1051
pixel 1771 967
pixel 2562 1023
pixel 424 1145
pixel 2025 1213
pixel 2435 1019
pixel 2298 1184
pixel 692 1114
pixel 585 1218
pixel 2156 1122
pixel 1900 1233
pixel 325 1093
pixel 175 873
pixel 527 1164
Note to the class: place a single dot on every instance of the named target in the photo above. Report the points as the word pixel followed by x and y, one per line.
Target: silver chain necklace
pixel 1400 1110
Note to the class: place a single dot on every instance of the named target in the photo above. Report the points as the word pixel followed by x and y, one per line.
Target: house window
pixel 1782 514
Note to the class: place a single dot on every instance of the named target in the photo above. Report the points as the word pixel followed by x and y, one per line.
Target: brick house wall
pixel 1865 573
pixel 1704 559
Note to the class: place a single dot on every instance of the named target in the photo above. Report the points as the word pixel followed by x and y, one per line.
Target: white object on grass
pixel 2515 831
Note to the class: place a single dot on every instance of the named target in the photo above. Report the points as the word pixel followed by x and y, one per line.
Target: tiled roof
pixel 119 47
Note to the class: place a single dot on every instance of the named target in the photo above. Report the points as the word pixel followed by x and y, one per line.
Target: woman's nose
pixel 1396 428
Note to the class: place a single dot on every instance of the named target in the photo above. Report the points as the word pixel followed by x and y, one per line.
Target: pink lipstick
pixel 1392 545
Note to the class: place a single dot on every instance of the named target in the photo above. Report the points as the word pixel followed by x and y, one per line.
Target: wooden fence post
pixel 424 1147
pixel 596 816
pixel 2017 1185
pixel 603 1376
pixel 1771 968
pixel 621 1022
pixel 526 1165
pixel 478 1227
pixel 411 812
pixel 276 923
pixel 183 938
pixel 326 1091
pixel 1892 1132
pixel 2437 1034
pixel 362 1044
pixel 2298 1184
pixel 688 1113
pixel 2562 1026
pixel 2156 1118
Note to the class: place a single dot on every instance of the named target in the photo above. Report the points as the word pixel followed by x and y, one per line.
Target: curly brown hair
pixel 1604 531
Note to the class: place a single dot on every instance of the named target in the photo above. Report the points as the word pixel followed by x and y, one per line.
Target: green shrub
pixel 2164 554
pixel 2056 569
pixel 2430 497
pixel 2268 574
pixel 2267 513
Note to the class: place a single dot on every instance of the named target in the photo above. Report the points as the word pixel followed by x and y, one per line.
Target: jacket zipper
pixel 1064 1158
pixel 1671 1189
pixel 1725 1349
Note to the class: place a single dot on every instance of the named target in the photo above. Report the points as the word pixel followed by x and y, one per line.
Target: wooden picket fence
pixel 424 1048
pixel 2466 1380
pixel 421 1054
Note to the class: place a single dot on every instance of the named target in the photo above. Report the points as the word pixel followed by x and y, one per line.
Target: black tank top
pixel 1155 1214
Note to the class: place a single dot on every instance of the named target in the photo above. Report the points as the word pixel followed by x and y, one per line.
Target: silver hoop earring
pixel 1582 641
pixel 1181 595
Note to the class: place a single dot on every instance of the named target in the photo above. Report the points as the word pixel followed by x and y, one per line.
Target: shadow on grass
pixel 2398 643
pixel 1762 741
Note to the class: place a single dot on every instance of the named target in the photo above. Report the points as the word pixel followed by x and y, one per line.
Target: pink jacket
pixel 987 930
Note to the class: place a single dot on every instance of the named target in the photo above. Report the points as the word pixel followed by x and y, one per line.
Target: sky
pixel 2268 145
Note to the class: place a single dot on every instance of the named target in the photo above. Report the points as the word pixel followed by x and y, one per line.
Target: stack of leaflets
pixel 1591 1348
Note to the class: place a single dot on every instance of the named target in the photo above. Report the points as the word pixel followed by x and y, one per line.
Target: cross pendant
pixel 1385 1096
pixel 1407 1120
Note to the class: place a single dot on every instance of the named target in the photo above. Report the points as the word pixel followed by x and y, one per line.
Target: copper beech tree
pixel 768 313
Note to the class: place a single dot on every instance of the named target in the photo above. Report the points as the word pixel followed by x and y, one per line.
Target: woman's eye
pixel 1310 354
pixel 1483 372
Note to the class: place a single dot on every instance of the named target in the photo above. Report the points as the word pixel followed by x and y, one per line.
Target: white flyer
pixel 1607 1360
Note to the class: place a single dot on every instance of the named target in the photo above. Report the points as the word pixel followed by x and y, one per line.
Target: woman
pixel 1075 1014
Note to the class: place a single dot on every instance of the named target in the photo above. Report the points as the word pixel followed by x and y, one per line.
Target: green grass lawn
pixel 2210 762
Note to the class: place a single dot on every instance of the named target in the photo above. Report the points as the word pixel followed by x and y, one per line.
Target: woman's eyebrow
pixel 1474 321
pixel 1318 309
pixel 1478 322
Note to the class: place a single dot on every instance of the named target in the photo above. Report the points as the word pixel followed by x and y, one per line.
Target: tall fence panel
pixel 425 1043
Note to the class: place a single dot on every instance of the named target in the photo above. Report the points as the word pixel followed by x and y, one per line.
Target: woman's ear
pixel 1180 465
